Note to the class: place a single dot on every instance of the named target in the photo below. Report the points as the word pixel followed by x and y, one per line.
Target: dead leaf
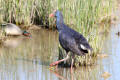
pixel 102 55
pixel 106 75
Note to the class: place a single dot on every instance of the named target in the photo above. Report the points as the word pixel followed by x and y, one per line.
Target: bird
pixel 14 30
pixel 69 39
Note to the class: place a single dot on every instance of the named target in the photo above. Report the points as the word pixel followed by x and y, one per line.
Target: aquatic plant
pixel 82 13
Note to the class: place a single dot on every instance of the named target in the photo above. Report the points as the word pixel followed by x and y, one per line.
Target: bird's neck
pixel 60 23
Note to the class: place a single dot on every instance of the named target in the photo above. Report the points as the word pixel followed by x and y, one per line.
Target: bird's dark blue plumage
pixel 69 39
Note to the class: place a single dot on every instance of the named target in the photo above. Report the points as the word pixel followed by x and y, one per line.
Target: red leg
pixel 57 62
pixel 72 63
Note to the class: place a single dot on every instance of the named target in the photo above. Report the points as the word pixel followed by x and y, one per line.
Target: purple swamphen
pixel 69 39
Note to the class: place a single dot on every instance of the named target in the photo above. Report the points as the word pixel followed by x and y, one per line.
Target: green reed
pixel 82 13
pixel 24 11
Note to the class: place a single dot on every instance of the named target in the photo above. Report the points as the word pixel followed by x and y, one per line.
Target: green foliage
pixel 24 11
pixel 82 13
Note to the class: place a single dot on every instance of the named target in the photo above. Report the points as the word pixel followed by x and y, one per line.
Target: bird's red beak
pixel 51 15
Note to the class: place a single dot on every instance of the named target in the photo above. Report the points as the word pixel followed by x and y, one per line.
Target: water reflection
pixel 29 59
pixel 112 48
pixel 13 42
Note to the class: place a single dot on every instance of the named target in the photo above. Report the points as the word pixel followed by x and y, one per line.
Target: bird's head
pixel 56 14
pixel 59 18
pixel 27 34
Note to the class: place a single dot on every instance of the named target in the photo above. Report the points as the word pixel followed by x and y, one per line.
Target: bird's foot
pixel 54 64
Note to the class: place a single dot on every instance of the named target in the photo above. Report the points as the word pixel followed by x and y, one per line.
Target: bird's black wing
pixel 81 41
pixel 68 42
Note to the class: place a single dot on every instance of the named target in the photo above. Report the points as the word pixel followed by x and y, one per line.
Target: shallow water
pixel 22 58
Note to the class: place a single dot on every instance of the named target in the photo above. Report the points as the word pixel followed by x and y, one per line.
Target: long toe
pixel 53 64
